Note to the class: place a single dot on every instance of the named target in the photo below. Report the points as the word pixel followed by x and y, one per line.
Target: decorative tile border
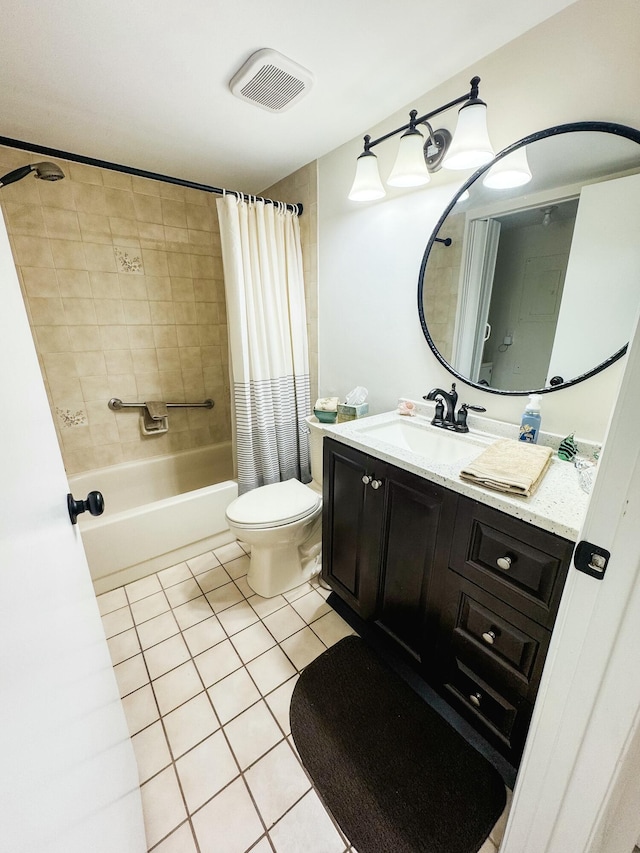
pixel 128 263
pixel 69 419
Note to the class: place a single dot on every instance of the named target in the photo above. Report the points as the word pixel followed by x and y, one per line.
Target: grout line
pixel 172 763
pixel 230 747
pixel 221 728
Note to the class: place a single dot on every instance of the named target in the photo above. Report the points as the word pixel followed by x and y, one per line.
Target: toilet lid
pixel 273 505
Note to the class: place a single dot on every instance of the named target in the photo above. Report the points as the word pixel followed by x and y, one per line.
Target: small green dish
pixel 325 417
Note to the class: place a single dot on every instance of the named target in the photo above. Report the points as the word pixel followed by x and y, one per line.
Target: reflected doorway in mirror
pixel 566 311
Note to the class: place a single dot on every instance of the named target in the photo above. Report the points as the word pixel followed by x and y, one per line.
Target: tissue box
pixel 350 413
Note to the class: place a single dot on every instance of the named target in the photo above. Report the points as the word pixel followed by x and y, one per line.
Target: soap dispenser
pixel 530 423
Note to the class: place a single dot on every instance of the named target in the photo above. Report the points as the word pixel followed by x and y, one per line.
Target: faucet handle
pixel 461 417
pixel 438 418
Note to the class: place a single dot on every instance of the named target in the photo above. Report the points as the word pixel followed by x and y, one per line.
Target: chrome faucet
pixel 450 420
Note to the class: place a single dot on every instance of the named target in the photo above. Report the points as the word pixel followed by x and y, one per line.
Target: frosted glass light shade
pixel 410 168
pixel 367 185
pixel 512 171
pixel 470 147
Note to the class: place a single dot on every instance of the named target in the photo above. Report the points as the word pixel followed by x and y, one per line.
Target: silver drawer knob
pixel 366 479
pixel 375 484
pixel 475 699
pixel 489 637
pixel 504 563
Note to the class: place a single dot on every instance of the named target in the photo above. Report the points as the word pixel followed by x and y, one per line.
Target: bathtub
pixel 158 512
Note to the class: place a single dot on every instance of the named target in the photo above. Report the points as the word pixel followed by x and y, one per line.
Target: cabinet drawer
pixel 517 562
pixel 496 641
pixel 505 721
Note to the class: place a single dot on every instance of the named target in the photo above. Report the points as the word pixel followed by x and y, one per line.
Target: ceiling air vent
pixel 271 81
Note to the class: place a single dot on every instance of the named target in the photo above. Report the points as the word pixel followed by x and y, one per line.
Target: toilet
pixel 283 524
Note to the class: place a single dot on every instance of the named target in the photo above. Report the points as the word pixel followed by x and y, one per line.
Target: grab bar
pixel 115 405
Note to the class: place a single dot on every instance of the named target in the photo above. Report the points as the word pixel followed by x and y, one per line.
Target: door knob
pixel 94 503
pixel 504 563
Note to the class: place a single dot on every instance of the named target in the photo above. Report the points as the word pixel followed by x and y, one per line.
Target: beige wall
pixel 302 186
pixel 122 279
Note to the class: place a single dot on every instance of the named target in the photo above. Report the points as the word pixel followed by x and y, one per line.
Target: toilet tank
pixel 316 432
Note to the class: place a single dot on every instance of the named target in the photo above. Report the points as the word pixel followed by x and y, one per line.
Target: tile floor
pixel 206 669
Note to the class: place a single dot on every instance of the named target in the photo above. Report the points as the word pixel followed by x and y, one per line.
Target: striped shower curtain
pixel 268 354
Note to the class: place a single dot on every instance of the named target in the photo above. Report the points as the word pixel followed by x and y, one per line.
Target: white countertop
pixel 558 505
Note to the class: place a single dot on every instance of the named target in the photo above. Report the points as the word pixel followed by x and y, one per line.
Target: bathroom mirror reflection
pixel 534 288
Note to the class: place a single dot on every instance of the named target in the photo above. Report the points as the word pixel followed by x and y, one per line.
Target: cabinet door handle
pixel 489 637
pixel 366 479
pixel 476 699
pixel 375 484
pixel 504 563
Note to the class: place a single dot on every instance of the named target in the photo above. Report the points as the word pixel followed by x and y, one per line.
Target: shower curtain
pixel 268 355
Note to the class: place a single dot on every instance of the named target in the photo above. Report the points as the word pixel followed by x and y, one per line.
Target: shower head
pixel 44 171
pixel 48 171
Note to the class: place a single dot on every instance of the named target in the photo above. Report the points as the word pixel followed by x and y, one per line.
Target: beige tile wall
pixel 302 186
pixel 123 284
pixel 441 285
pixel 122 279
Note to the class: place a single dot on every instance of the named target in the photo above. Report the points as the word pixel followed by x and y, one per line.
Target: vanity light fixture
pixel 470 148
pixel 510 171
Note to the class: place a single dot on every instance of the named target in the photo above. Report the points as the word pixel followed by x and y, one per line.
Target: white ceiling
pixel 145 83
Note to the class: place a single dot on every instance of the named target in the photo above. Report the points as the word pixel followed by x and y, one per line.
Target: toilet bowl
pixel 283 524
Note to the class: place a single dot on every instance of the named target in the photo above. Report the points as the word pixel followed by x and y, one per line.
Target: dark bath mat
pixel 395 775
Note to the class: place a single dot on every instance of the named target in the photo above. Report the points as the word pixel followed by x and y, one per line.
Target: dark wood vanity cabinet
pixel 383 530
pixel 470 592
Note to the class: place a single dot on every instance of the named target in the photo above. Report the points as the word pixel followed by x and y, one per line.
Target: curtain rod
pixel 140 173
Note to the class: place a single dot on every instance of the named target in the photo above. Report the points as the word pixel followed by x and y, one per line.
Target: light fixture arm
pixel 469 147
pixel 470 97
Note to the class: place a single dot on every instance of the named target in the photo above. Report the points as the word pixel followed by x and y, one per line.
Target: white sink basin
pixel 433 443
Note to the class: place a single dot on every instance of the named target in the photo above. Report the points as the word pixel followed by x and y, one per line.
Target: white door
pixel 578 787
pixel 68 779
pixel 600 296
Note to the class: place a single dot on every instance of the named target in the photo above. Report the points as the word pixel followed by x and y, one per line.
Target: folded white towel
pixel 509 466
pixel 327 404
pixel 156 409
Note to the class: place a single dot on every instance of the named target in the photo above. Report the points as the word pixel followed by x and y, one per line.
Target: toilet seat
pixel 274 505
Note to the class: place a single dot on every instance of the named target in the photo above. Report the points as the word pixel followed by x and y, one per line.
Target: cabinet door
pixel 352 526
pixel 418 521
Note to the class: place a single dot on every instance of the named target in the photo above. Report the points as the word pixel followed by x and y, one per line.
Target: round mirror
pixel 535 287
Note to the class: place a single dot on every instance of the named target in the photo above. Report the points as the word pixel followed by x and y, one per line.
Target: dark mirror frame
pixel 601 126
